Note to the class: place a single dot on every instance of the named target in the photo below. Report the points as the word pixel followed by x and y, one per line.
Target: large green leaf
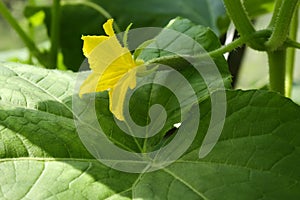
pixel 173 42
pixel 40 100
pixel 166 41
pixel 257 155
pixel 41 155
pixel 79 19
pixel 44 178
pixel 157 13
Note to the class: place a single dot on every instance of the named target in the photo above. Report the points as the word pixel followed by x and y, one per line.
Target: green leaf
pixel 257 155
pixel 201 34
pixel 142 13
pixel 35 103
pixel 37 19
pixel 41 154
pixel 208 41
pixel 158 13
pixel 43 178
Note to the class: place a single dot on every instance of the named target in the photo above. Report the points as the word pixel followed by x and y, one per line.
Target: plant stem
pixel 281 24
pixel 277 62
pixel 291 43
pixel 239 17
pixel 238 42
pixel 278 4
pixel 242 22
pixel 55 30
pixel 290 55
pixel 31 32
pixel 25 38
pixel 220 51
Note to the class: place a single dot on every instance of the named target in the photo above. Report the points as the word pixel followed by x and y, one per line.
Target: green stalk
pixel 239 17
pixel 239 42
pixel 31 32
pixel 290 55
pixel 242 22
pixel 277 62
pixel 25 38
pixel 291 43
pixel 262 34
pixel 278 4
pixel 55 30
pixel 282 24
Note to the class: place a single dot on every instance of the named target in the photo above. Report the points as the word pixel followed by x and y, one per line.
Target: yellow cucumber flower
pixel 113 68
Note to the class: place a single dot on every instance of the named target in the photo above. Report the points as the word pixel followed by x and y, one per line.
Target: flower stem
pixel 25 38
pixel 55 31
pixel 290 56
pixel 277 63
pixel 281 22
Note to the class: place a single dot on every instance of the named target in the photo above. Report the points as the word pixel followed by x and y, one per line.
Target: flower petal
pixel 113 67
pixel 120 66
pixel 90 84
pixel 105 54
pixel 108 27
pixel 118 93
pixel 91 42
